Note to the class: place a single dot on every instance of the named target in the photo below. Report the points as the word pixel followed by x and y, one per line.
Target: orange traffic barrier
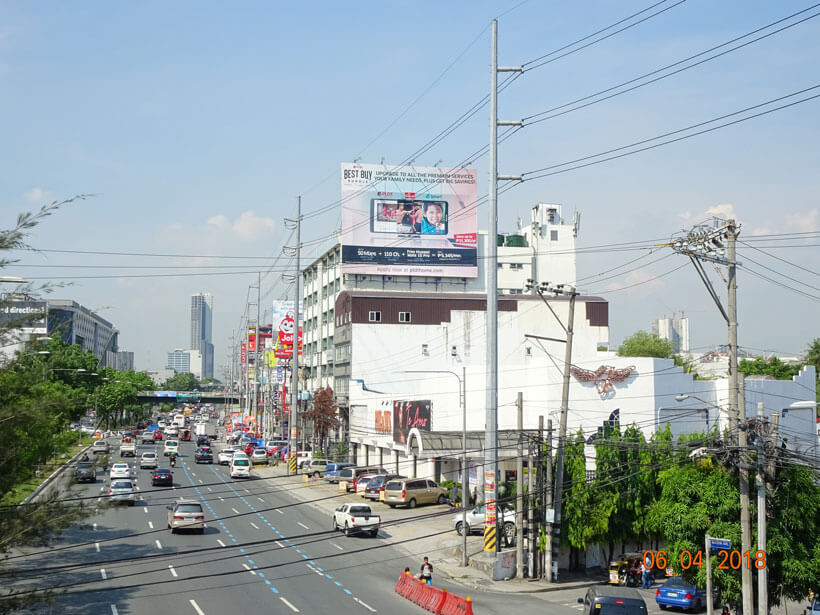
pixel 437 601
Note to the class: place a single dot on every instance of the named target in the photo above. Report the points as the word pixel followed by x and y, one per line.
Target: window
pixel 404 316
pixel 374 316
pixel 500 265
pixel 553 235
pixel 425 350
pixel 516 265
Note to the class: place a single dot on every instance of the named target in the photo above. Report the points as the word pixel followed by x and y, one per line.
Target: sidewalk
pixel 425 530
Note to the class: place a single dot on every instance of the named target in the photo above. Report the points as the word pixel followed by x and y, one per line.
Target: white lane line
pixel 314 570
pixel 279 511
pixel 260 499
pixel 114 610
pixel 209 489
pixel 145 509
pixel 102 572
pixel 150 525
pixel 97 546
pixel 280 545
pixel 221 544
pixel 193 473
pixel 247 490
pixel 337 546
pixel 196 607
pixel 200 480
pixel 365 605
pixel 173 572
pixel 220 499
pixel 285 600
pixel 159 545
pixel 302 524
pixel 138 487
pixel 95 527
pixel 248 568
pixel 236 511
pixel 253 524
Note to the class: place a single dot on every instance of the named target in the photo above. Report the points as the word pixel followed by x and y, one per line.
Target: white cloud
pixel 808 221
pixel 36 196
pixel 724 210
pixel 248 226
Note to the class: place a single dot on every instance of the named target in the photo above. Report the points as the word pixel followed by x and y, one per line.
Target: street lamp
pixel 462 382
pixel 12 279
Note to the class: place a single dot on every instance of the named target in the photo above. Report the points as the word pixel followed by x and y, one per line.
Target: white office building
pixel 676 330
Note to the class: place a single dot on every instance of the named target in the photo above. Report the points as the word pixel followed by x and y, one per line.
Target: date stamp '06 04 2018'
pixel 727 560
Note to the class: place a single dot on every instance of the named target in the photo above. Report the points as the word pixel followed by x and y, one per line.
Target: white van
pixel 241 467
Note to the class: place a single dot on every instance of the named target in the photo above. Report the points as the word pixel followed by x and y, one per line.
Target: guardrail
pixel 438 601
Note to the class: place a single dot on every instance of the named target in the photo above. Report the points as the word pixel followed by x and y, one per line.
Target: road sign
pixel 719 544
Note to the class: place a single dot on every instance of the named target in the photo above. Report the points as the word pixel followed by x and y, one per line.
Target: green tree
pixel 773 367
pixel 181 382
pixel 643 344
pixel 813 358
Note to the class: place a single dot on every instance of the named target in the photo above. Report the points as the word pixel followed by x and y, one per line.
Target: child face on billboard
pixel 433 213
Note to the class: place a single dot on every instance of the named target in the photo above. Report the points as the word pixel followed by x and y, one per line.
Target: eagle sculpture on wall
pixel 603 377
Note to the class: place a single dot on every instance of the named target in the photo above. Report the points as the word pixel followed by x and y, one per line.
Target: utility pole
pixel 519 491
pixel 765 469
pixel 292 443
pixel 258 339
pixel 491 418
pixel 717 243
pixel 548 486
pixel 531 540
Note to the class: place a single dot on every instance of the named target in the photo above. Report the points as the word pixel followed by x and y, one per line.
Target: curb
pixel 52 477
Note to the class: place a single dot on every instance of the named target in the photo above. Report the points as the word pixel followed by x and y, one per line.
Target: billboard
pixel 409 220
pixel 408 415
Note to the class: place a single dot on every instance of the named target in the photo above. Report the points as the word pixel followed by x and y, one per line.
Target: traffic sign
pixel 719 544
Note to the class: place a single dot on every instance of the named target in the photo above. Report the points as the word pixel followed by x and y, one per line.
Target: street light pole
pixel 465 479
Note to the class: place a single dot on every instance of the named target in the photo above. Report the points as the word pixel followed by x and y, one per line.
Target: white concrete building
pixel 676 330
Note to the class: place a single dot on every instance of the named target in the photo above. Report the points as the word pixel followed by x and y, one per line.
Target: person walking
pixel 426 574
pixel 646 581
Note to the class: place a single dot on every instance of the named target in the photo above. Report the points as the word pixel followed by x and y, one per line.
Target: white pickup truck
pixel 128 448
pixel 352 518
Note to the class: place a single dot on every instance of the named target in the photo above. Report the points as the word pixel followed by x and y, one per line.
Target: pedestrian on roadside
pixel 646 582
pixel 725 610
pixel 426 574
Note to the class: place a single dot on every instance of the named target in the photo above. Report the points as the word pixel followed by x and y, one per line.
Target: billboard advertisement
pixel 409 415
pixel 409 220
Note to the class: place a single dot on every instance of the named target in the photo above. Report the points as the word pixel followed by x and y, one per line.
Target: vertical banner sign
pixel 244 354
pixel 490 528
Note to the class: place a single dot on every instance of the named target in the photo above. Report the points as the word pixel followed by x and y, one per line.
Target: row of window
pixel 376 316
pixel 515 266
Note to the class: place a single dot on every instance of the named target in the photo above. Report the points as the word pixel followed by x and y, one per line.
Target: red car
pixel 157 435
pixel 185 434
pixel 249 448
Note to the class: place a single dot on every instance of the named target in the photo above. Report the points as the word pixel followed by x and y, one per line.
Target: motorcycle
pixel 173 460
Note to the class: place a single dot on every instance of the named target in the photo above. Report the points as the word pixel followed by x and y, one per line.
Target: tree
pixel 181 382
pixel 322 414
pixel 643 344
pixel 773 367
pixel 813 358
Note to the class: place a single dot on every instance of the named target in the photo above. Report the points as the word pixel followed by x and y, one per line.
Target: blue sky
pixel 196 124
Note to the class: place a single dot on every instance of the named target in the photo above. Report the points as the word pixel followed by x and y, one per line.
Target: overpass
pixel 181 397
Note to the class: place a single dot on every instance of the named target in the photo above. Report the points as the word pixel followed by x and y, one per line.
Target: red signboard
pixel 244 354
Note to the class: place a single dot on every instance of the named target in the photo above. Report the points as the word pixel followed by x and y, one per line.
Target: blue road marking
pixel 274 590
pixel 348 592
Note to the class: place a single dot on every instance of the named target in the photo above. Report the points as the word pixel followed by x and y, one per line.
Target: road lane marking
pixel 248 568
pixel 222 544
pixel 114 610
pixel 365 605
pixel 196 607
pixel 209 489
pixel 102 572
pixel 97 546
pixel 200 480
pixel 260 499
pixel 145 509
pixel 279 511
pixel 159 546
pixel 220 499
pixel 247 490
pixel 150 525
pixel 236 511
pixel 173 572
pixel 280 545
pixel 138 487
pixel 302 524
pixel 337 546
pixel 253 524
pixel 95 527
pixel 285 600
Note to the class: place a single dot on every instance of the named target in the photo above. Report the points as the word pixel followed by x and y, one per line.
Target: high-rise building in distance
pixel 201 330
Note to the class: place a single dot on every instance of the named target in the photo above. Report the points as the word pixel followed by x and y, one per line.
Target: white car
pixel 122 490
pixel 171 446
pixel 241 467
pixel 148 460
pixel 171 431
pixel 120 470
pixel 225 456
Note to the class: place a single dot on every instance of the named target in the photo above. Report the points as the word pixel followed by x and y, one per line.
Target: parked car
pixel 162 477
pixel 360 484
pixel 148 460
pixel 203 455
pixel 351 473
pixel 240 467
pixel 332 470
pixel 475 522
pixel 603 599
pixel 84 472
pixel 225 456
pixel 171 446
pixel 120 470
pixel 122 490
pixel 680 593
pixel 413 491
pixel 186 515
pixel 315 467
pixel 259 455
pixel 352 518
pixel 100 446
pixel 375 487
